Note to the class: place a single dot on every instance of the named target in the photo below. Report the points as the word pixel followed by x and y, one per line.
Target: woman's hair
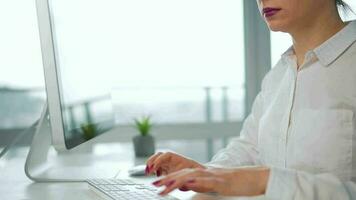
pixel 340 3
pixel 344 5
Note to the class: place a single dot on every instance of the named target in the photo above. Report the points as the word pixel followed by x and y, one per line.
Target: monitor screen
pixel 85 93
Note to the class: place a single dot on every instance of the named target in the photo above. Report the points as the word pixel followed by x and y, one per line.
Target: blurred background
pixel 181 62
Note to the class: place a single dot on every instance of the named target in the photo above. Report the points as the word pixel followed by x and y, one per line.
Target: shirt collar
pixel 289 52
pixel 330 50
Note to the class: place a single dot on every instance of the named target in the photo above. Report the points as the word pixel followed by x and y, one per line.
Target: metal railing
pixel 86 106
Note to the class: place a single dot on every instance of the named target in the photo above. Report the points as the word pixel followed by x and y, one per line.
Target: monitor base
pixel 44 164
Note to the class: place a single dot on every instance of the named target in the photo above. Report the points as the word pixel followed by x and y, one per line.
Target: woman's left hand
pixel 248 181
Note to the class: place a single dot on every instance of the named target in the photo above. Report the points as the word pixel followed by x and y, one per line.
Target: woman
pixel 298 139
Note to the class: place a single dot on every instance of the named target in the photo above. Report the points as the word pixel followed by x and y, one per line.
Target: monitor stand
pixel 44 164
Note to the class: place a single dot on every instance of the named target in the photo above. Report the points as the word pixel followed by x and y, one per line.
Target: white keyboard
pixel 123 189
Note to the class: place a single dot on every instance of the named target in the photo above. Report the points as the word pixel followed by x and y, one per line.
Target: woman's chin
pixel 277 27
pixel 274 29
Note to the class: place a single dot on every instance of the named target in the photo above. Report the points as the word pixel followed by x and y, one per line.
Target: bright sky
pixel 127 43
pixel 163 43
pixel 139 42
pixel 20 54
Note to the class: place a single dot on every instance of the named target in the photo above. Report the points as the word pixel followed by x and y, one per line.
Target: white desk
pixel 14 185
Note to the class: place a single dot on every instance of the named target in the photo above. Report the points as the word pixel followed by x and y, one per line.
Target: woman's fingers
pixel 150 162
pixel 198 180
pixel 165 163
pixel 172 185
pixel 198 184
pixel 178 179
pixel 173 176
pixel 159 161
pixel 164 171
pixel 151 159
pixel 236 182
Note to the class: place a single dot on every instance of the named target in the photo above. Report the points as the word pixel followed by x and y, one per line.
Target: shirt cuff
pixel 281 184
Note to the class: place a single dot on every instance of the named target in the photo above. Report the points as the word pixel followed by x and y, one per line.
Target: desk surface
pixel 15 185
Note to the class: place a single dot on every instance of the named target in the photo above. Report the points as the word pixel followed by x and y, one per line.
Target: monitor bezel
pixel 51 74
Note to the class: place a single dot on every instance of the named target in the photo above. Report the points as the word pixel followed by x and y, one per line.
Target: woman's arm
pixel 274 183
pixel 247 181
pixel 292 184
pixel 241 151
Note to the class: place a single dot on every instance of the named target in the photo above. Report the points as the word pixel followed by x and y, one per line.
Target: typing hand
pixel 250 181
pixel 166 163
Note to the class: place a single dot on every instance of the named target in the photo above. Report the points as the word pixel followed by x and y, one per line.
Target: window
pixel 179 61
pixel 280 42
pixel 21 77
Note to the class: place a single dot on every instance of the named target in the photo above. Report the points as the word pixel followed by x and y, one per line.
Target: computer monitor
pixel 78 96
pixel 78 105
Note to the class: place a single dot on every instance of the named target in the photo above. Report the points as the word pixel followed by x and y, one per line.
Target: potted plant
pixel 89 131
pixel 144 144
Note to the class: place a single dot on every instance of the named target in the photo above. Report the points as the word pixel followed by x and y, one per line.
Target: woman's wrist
pixel 263 177
pixel 255 180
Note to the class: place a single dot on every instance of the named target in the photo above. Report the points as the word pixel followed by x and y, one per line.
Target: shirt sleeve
pixel 290 184
pixel 242 150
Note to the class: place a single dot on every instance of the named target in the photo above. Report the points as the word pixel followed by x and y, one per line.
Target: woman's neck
pixel 314 33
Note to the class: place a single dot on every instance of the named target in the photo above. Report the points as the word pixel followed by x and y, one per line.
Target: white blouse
pixel 302 124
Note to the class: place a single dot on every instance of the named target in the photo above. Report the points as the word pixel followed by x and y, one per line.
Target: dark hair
pixel 340 3
pixel 344 5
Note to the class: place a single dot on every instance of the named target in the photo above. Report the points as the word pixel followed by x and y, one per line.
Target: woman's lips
pixel 269 12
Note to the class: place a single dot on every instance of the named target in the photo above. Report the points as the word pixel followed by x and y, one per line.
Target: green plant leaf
pixel 143 125
pixel 89 130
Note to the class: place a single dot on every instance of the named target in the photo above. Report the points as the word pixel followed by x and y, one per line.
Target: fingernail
pixel 183 189
pixel 158 173
pixel 150 168
pixel 156 182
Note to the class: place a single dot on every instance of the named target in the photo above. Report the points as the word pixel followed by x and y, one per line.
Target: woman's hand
pixel 249 181
pixel 166 163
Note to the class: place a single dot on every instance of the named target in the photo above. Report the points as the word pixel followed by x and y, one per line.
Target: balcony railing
pixel 218 105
